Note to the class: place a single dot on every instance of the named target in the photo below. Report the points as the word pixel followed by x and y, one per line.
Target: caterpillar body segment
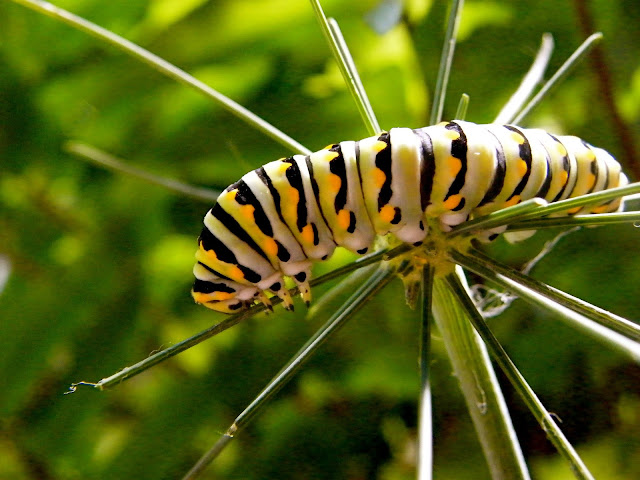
pixel 276 220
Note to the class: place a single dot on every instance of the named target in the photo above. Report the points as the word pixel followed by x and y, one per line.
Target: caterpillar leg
pixel 302 281
pixel 279 289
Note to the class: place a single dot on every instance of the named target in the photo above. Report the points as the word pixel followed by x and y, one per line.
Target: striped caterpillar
pixel 279 218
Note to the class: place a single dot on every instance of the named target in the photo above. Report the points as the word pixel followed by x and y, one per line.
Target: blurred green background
pixel 95 267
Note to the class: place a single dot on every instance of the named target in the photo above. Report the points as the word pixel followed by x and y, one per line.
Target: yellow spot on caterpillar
pixel 270 247
pixel 334 182
pixel 379 146
pixel 378 177
pixel 452 202
pixel 561 150
pixel 574 210
pixel 307 234
pixel 207 253
pixel 522 168
pixel 513 201
pixel 282 167
pixel 454 164
pixel 564 176
pixel 519 139
pixel 230 193
pixel 452 135
pixel 387 213
pixel 344 219
pixel 592 181
pixel 325 155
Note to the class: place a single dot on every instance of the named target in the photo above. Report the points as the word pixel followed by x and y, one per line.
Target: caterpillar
pixel 276 220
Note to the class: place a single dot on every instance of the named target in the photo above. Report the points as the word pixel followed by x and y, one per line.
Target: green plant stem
pixel 550 298
pixel 528 83
pixel 165 68
pixel 425 417
pixel 463 105
pixel 588 199
pixel 581 52
pixel 535 208
pixel 228 322
pixel 598 220
pixel 446 60
pixel 343 58
pixel 103 159
pixel 499 218
pixel 376 282
pixel 479 385
pixel 543 417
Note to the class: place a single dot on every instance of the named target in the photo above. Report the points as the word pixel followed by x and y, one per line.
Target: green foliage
pixel 100 263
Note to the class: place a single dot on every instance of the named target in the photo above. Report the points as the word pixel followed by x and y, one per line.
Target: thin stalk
pixel 446 60
pixel 165 68
pixel 377 281
pixel 588 199
pixel 529 82
pixel 501 217
pixel 103 159
pixel 566 68
pixel 361 98
pixel 330 297
pixel 479 385
pixel 536 407
pixel 627 333
pixel 598 220
pixel 537 207
pixel 228 322
pixel 425 417
pixel 129 372
pixel 343 58
pixel 463 105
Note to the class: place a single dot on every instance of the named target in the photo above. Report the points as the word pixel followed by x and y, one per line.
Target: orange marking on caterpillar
pixel 307 234
pixel 344 219
pixel 512 201
pixel 378 178
pixel 334 182
pixel 522 168
pixel 452 202
pixel 270 247
pixel 387 213
pixel 454 164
